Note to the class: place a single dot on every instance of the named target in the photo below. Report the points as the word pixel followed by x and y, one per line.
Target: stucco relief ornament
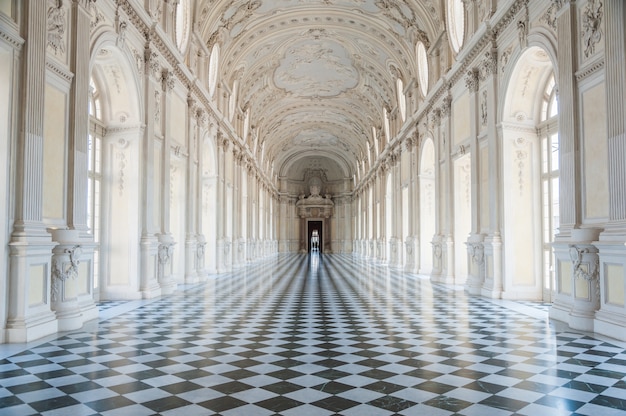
pixel 471 80
pixel 200 249
pixel 592 18
pixel 121 33
pixel 96 16
pixel 165 253
pixel 476 252
pixel 56 27
pixel 168 79
pixel 437 250
pixel 63 270
pixel 483 109
pixel 549 16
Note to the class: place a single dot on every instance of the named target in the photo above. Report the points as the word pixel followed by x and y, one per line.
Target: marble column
pixel 78 155
pixel 191 228
pixel 611 317
pixel 492 243
pixel 29 312
pixel 167 242
pixel 149 244
pixel 475 250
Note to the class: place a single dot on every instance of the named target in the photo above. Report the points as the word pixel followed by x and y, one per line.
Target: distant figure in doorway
pixel 315 241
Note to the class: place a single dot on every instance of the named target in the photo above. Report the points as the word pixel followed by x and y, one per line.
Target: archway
pixel 427 205
pixel 530 150
pixel 209 203
pixel 114 172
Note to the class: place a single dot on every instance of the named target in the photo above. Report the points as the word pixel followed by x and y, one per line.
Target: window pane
pixel 554 148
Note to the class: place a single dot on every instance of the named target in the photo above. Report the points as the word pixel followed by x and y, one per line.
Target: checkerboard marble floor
pixel 318 335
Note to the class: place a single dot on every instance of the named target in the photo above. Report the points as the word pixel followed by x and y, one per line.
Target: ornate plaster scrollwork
pixel 63 270
pixel 483 109
pixel 592 19
pixel 96 16
pixel 121 157
pixel 583 270
pixel 122 26
pixel 586 264
pixel 200 249
pixel 471 80
pixel 504 58
pixel 165 253
pixel 151 59
pixel 168 79
pixel 446 106
pixel 489 65
pixel 476 252
pixel 56 27
pixel 549 16
pixel 437 250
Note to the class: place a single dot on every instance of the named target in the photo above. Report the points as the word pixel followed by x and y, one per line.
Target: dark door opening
pixel 314 226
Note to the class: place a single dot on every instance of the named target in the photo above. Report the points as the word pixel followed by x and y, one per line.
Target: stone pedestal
pixel 166 251
pixel 66 258
pixel 610 319
pixel 577 279
pixel 476 264
pixel 411 250
pixel 30 316
pixel 492 286
pixel 437 258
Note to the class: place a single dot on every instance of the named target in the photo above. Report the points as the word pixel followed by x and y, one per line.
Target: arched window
pixel 549 176
pixel 387 128
pixel 213 66
pixel 94 173
pixel 183 23
pixel 232 103
pixel 401 98
pixel 456 23
pixel 422 67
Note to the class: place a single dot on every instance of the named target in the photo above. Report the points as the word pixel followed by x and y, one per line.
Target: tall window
pixel 422 67
pixel 549 178
pixel 213 66
pixel 401 98
pixel 456 23
pixel 94 172
pixel 183 23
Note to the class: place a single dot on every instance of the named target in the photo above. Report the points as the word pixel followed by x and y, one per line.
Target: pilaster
pixel 166 240
pixel 149 244
pixel 569 160
pixel 29 310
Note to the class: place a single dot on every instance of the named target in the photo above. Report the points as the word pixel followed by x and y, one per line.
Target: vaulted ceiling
pixel 315 75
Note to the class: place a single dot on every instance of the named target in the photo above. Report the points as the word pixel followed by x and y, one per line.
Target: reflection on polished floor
pixel 317 335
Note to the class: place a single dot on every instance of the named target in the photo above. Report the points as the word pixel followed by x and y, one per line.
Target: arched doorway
pixel 113 192
pixel 427 205
pixel 209 203
pixel 530 168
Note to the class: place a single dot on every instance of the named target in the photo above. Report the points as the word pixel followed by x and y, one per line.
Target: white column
pixel 611 318
pixel 166 239
pixel 475 248
pixel 29 313
pixel 192 192
pixel 149 245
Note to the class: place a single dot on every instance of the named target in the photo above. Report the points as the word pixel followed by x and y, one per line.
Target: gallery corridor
pixel 316 335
